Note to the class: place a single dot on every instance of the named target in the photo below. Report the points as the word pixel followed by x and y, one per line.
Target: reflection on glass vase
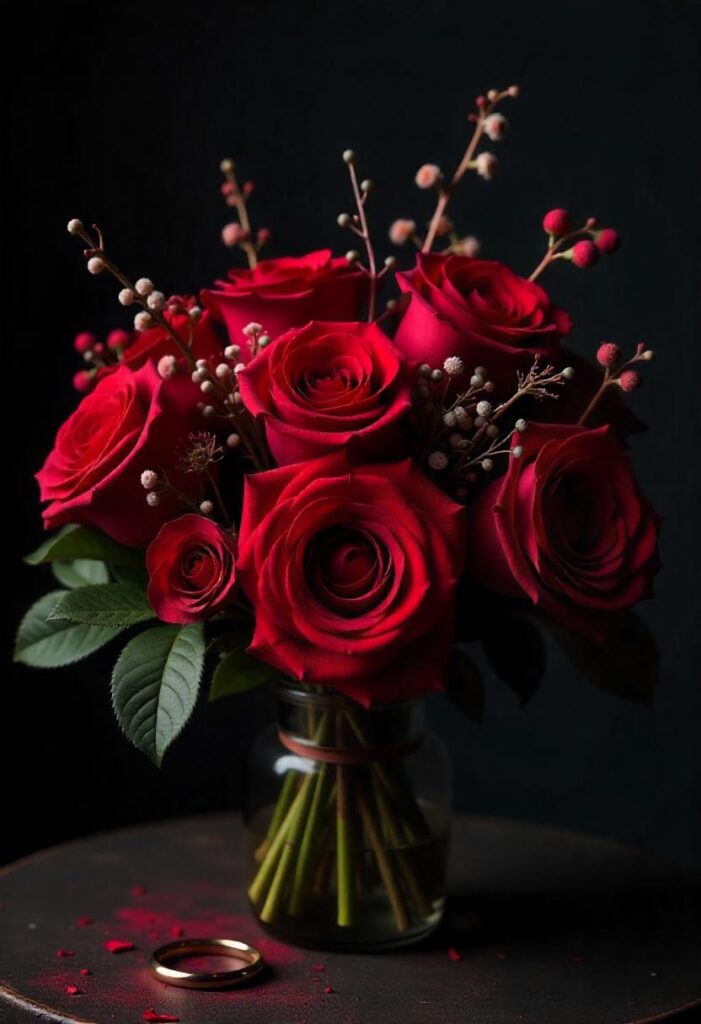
pixel 347 814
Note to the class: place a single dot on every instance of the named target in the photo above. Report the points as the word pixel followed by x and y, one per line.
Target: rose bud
pixel 191 567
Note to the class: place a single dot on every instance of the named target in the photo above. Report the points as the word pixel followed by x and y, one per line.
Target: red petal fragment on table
pixel 118 946
pixel 318 967
pixel 73 990
pixel 65 952
pixel 83 922
pixel 158 1018
pixel 328 990
pixel 176 931
pixel 138 890
pixel 84 971
pixel 455 955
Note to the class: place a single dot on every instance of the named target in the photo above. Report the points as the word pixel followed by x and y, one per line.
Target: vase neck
pixel 327 721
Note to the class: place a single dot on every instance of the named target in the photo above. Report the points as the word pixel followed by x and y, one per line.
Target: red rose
pixel 325 386
pixel 567 526
pixel 191 569
pixel 131 422
pixel 352 572
pixel 480 311
pixel 289 292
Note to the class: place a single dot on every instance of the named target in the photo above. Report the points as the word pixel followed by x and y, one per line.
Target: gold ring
pixel 205 947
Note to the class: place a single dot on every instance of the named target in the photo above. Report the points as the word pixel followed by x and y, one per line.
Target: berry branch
pixel 617 373
pixel 240 233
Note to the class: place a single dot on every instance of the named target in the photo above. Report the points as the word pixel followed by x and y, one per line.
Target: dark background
pixel 121 114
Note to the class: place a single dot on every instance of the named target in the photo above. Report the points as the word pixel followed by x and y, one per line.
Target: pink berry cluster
pixel 240 233
pixel 610 356
pixel 98 353
pixel 585 251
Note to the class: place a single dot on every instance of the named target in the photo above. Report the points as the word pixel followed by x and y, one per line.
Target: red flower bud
pixel 584 254
pixel 630 380
pixel 608 354
pixel 607 240
pixel 83 381
pixel 118 339
pixel 84 341
pixel 227 188
pixel 557 222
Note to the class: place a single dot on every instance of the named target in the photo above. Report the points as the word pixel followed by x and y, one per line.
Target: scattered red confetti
pixel 455 955
pixel 83 922
pixel 84 971
pixel 177 932
pixel 118 946
pixel 138 890
pixel 328 990
pixel 318 967
pixel 158 1018
pixel 65 952
pixel 73 990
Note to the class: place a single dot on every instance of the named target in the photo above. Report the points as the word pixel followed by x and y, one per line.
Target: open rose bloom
pixel 325 472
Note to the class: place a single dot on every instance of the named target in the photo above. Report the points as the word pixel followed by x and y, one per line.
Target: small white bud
pixel 208 411
pixel 343 220
pixel 95 265
pixel 223 370
pixel 481 371
pixel 149 479
pixel 233 441
pixel 476 381
pixel 232 351
pixel 156 300
pixel 521 425
pixel 264 341
pixel 438 460
pixel 348 156
pixel 167 367
pixel 202 364
pixel 195 313
pixel 366 185
pixel 495 127
pixel 198 376
pixel 568 372
pixel 488 386
pixel 206 387
pixel 126 296
pixel 486 165
pixel 239 368
pixel 88 355
pixel 454 366
pixel 487 465
pixel 250 330
pixel 144 286
pixel 238 398
pixel 390 262
pixel 206 508
pixel 436 375
pixel 484 408
pixel 450 419
pixel 352 256
pixel 74 226
pixel 142 321
pixel 517 451
pixel 153 499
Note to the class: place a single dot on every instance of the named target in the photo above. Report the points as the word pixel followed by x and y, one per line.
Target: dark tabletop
pixel 552 927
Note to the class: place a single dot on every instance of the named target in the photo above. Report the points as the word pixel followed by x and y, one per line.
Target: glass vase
pixel 347 815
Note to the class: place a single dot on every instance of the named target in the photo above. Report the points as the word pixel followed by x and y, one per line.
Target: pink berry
pixel 607 240
pixel 557 222
pixel 99 348
pixel 227 188
pixel 118 339
pixel 584 254
pixel 82 381
pixel 608 354
pixel 84 341
pixel 630 380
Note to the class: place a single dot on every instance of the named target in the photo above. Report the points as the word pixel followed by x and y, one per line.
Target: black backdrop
pixel 120 113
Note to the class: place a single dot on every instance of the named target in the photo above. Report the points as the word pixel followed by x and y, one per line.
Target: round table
pixel 545 927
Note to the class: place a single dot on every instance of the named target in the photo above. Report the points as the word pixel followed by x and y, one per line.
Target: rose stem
pixel 305 861
pixel 365 235
pixel 383 862
pixel 345 872
pixel 281 808
pixel 392 828
pixel 259 885
pixel 447 190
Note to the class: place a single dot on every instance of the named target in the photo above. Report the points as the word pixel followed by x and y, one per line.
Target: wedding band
pixel 161 957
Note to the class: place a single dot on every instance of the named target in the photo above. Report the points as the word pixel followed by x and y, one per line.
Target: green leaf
pixel 48 643
pixel 238 672
pixel 155 684
pixel 465 687
pixel 625 665
pixel 80 542
pixel 80 573
pixel 107 604
pixel 136 575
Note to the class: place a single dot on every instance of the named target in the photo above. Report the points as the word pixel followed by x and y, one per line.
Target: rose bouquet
pixel 287 481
